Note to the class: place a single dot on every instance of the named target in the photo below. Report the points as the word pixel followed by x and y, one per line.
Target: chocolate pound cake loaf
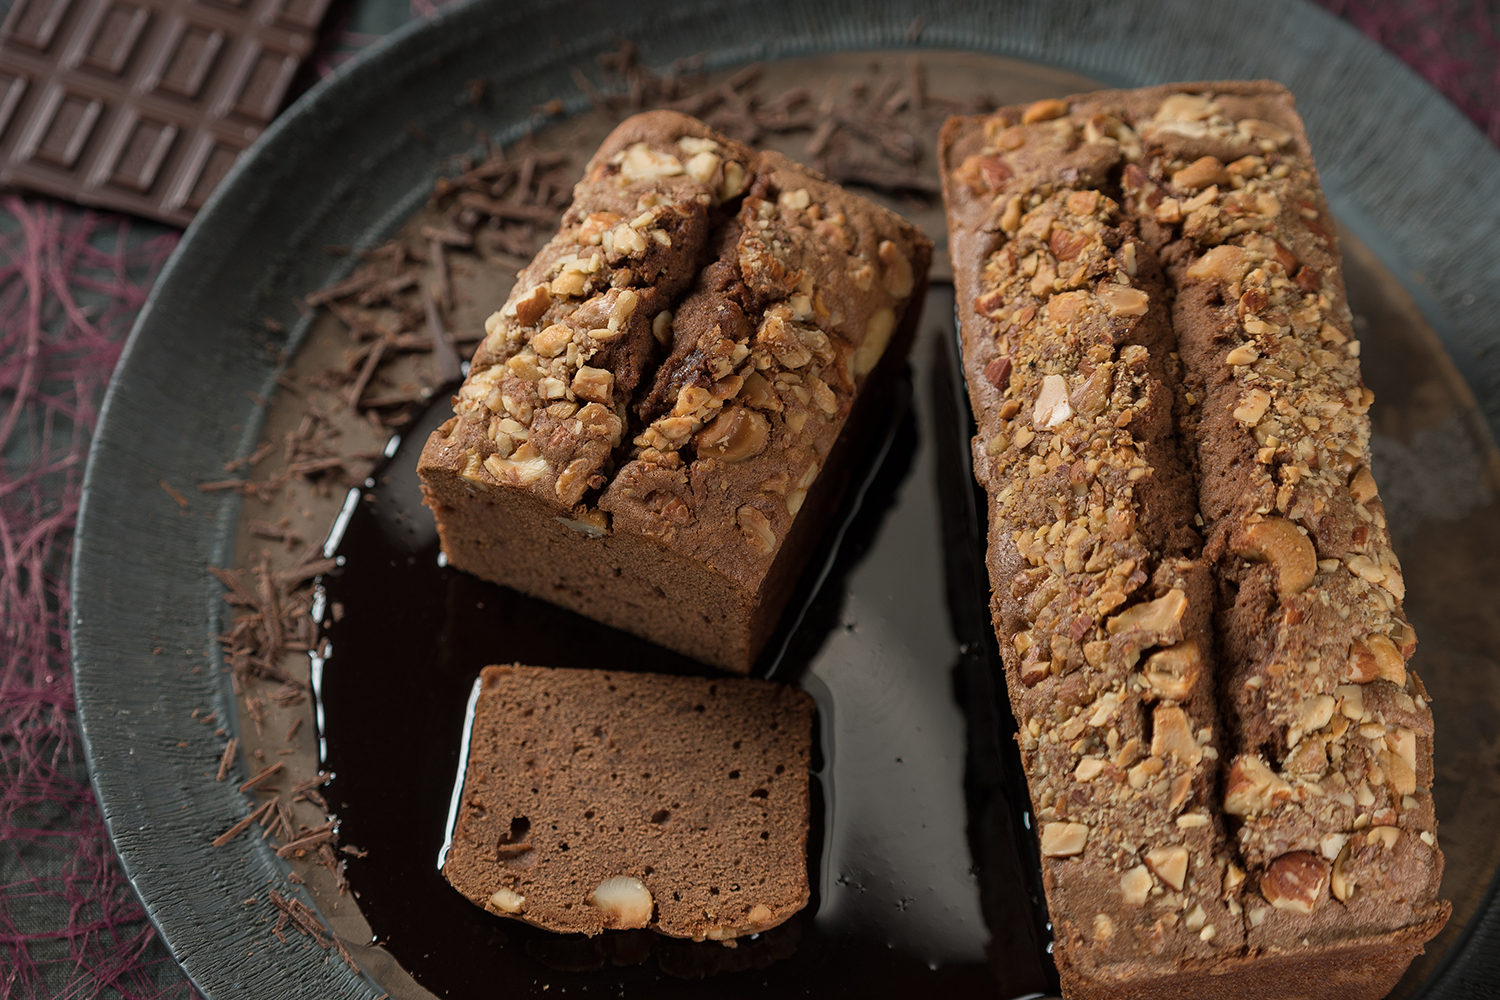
pixel 658 423
pixel 1194 589
pixel 596 800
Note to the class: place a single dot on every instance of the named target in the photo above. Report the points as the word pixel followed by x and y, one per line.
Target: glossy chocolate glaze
pixel 887 912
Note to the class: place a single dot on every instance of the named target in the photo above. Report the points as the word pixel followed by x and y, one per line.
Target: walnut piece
pixel 1158 618
pixel 895 271
pixel 1120 300
pixel 1339 881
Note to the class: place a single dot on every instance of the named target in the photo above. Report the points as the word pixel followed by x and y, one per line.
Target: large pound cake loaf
pixel 1194 589
pixel 598 800
pixel 659 421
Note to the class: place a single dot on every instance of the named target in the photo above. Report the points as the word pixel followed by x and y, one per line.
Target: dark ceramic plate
pixel 1411 178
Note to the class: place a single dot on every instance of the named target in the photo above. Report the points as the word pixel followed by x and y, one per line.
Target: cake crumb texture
pixel 598 800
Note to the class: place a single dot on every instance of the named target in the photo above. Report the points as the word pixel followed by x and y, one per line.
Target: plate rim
pixel 1022 29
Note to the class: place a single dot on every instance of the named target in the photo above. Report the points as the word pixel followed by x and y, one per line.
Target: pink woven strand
pixel 1452 43
pixel 71 283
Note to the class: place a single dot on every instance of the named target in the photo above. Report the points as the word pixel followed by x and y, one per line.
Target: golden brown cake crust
pixel 1317 837
pixel 673 380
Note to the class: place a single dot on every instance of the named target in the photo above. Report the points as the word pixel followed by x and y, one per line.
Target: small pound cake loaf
pixel 653 431
pixel 597 800
pixel 1195 593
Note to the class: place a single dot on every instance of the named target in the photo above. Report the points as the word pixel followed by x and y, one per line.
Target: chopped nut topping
pixel 1295 881
pixel 1280 543
pixel 641 162
pixel 1062 840
pixel 1135 885
pixel 1052 406
pixel 593 384
pixel 735 435
pixel 1042 111
pixel 529 307
pixel 1122 301
pixel 1201 173
pixel 1173 672
pixel 1170 864
pixel 1253 788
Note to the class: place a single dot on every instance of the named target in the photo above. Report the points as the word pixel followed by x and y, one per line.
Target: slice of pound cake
pixel 596 800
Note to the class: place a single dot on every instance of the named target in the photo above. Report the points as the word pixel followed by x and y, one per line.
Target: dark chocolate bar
pixel 143 105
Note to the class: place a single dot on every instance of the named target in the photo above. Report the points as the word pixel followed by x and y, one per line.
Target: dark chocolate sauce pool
pixel 922 866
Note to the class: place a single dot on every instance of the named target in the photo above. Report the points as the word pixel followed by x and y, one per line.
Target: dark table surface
pixel 71 283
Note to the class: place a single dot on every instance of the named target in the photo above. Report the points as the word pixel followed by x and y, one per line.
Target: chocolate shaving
pixel 242 825
pixel 284 812
pixel 302 574
pixel 266 447
pixel 302 916
pixel 389 399
pixel 316 465
pixel 386 290
pixel 442 348
pixel 366 372
pixel 361 279
pixel 227 760
pixel 507 210
pixel 264 775
pixel 448 237
pixel 255 707
pixel 600 102
pixel 289 695
pixel 182 501
pixel 321 835
pixel 335 866
pixel 440 288
pixel 846 172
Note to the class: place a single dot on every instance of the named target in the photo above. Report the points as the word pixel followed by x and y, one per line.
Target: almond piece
pixel 1063 840
pixel 625 902
pixel 1295 881
pixel 1170 864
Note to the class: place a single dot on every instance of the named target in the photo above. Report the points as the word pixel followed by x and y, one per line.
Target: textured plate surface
pixel 1403 169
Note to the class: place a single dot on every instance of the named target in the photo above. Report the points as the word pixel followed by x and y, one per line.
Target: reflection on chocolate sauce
pixel 896 901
